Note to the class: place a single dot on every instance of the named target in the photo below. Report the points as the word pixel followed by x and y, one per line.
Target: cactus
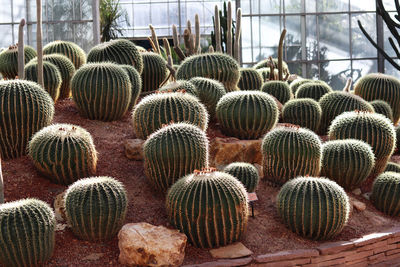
pixel 96 207
pixel 348 162
pixel 220 202
pixel 246 173
pixel 392 167
pixel 25 108
pixel 305 112
pixel 180 85
pixel 173 152
pixel 265 73
pixel 101 91
pixel 315 208
pixel 250 79
pixel 278 89
pixel 68 49
pixel 265 63
pixel 27 233
pixel 136 84
pixel 215 66
pixel 51 77
pixel 9 60
pixel 290 151
pixel 21 53
pixel 63 153
pixel 247 114
pixel 372 128
pixel 154 71
pixel 297 83
pixel 176 107
pixel 385 193
pixel 382 107
pixel 380 86
pixel 314 90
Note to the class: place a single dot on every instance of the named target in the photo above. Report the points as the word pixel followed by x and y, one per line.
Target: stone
pixel 149 245
pixel 223 263
pixel 357 191
pixel 59 207
pixel 287 255
pixel 358 205
pixel 335 247
pixel 134 149
pixel 93 257
pixel 367 195
pixel 232 251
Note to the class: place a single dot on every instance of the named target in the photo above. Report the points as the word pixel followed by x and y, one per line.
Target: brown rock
pixel 236 250
pixel 59 207
pixel 134 149
pixel 335 247
pixel 287 255
pixel 224 263
pixel 358 205
pixel 357 191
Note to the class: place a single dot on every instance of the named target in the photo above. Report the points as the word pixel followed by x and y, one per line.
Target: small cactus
pixel 297 83
pixel 9 60
pixel 278 89
pixel 382 107
pixel 265 63
pixel 154 72
pixel 180 85
pixel 68 49
pixel 246 173
pixel 385 193
pixel 392 167
pixel 136 83
pixel 250 79
pixel 314 90
pixel 305 112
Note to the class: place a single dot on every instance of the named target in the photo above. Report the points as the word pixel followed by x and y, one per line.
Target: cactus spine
pixel 386 192
pixel 305 112
pixel 68 49
pixel 136 83
pixel 180 85
pixel 250 79
pixel 278 89
pixel 154 72
pixel 246 173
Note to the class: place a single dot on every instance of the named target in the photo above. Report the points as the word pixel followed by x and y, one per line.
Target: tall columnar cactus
pixel 265 63
pixel 173 152
pixel 348 162
pixel 290 151
pixel 63 153
pixel 314 90
pixel 392 167
pixel 215 66
pixel 250 79
pixel 278 89
pixel 297 83
pixel 305 112
pixel 380 86
pixel 68 49
pixel 26 233
pixel 25 108
pixel 218 221
pixel 120 51
pixel 246 173
pixel 385 193
pixel 21 53
pixel 157 109
pixel 96 207
pixel 101 91
pixel 136 83
pixel 247 114
pixel 51 77
pixel 9 60
pixel 154 71
pixel 372 128
pixel 180 85
pixel 315 208
pixel 382 107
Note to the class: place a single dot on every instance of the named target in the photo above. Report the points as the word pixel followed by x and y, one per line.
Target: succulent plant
pixel 95 207
pixel 305 112
pixel 265 73
pixel 217 221
pixel 27 233
pixel 382 107
pixel 290 151
pixel 246 173
pixel 9 60
pixel 136 83
pixel 68 49
pixel 385 193
pixel 180 85
pixel 101 91
pixel 392 167
pixel 278 89
pixel 250 79
pixel 216 66
pixel 247 114
pixel 297 83
pixel 154 71
pixel 314 90
pixel 315 208
pixel 265 63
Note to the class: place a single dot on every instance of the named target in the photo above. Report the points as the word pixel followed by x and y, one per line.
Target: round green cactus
pixel 382 107
pixel 290 151
pixel 9 60
pixel 265 63
pixel 220 67
pixel 315 208
pixel 63 153
pixel 154 71
pixel 385 193
pixel 25 108
pixel 299 82
pixel 96 207
pixel 68 49
pixel 392 167
pixel 26 233
pixel 380 86
pixel 246 173
pixel 180 85
pixel 305 112
pixel 101 91
pixel 136 83
pixel 250 79
pixel 120 51
pixel 175 106
pixel 314 90
pixel 173 152
pixel 265 73
pixel 348 162
pixel 217 221
pixel 279 89
pixel 247 114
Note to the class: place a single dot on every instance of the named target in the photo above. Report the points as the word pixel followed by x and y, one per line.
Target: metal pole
pixel 96 21
pixel 380 42
pixel 39 41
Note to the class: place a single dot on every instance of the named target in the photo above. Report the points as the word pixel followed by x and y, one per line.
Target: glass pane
pixel 256 38
pixel 361 46
pixel 310 6
pixel 334 34
pixel 174 15
pixel 245 5
pixel 292 6
pixel 389 69
pixel 332 6
pixel 293 38
pixel 6 39
pixel 5 14
pixel 270 31
pixel 311 38
pixel 19 10
pixel 127 19
pixel 388 47
pixel 295 68
pixel 86 9
pixel 141 15
pixel 363 67
pixel 362 5
pixel 335 73
pixel 389 5
pixel 312 71
pixel 247 55
pixel 255 6
pixel 159 14
pixel 270 7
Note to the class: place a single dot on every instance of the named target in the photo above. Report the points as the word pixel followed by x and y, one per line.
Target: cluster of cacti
pixel 348 162
pixel 305 112
pixel 154 72
pixel 216 66
pixel 68 49
pixel 392 167
pixel 218 221
pixel 279 89
pixel 386 193
pixel 120 51
pixel 266 63
pixel 246 173
pixel 290 151
pixel 382 107
pixel 250 79
pixel 314 90
pixel 315 208
pixel 180 85
pixel 95 207
pixel 101 91
pixel 63 153
pixel 9 60
pixel 26 233
pixel 136 83
pixel 161 108
pixel 265 73
pixel 380 86
pixel 297 83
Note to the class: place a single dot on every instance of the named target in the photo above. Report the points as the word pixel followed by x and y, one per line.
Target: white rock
pixel 59 207
pixel 134 149
pixel 232 251
pixel 357 191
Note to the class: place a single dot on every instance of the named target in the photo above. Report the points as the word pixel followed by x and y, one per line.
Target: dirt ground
pixel 265 232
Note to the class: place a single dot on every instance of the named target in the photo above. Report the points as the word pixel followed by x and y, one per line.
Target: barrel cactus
pixel 385 193
pixel 95 207
pixel 265 73
pixel 68 49
pixel 265 63
pixel 290 151
pixel 120 51
pixel 220 67
pixel 63 153
pixel 175 106
pixel 315 208
pixel 392 167
pixel 136 83
pixel 154 71
pixel 314 90
pixel 305 112
pixel 250 79
pixel 218 221
pixel 246 173
pixel 26 233
pixel 247 114
pixel 101 91
pixel 180 85
pixel 173 152
pixel 382 107
pixel 278 89
pixel 297 83
pixel 9 60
